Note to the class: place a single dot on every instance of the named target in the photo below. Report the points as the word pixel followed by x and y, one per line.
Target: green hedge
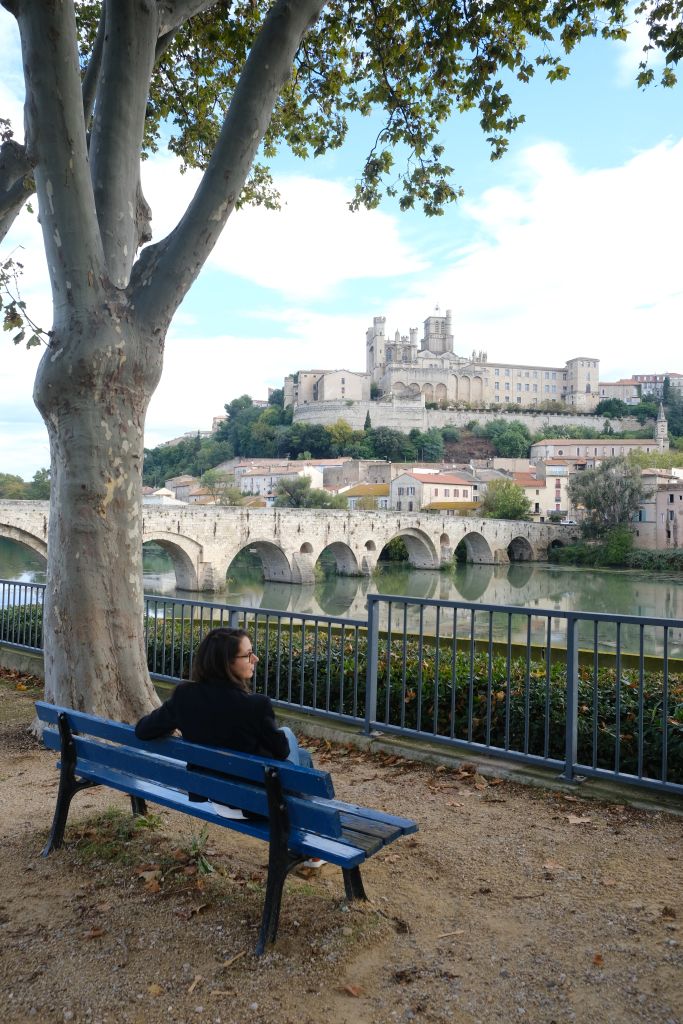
pixel 330 676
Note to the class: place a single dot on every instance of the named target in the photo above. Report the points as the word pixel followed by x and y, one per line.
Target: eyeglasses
pixel 250 654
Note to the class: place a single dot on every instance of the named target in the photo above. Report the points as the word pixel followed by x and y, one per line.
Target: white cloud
pixel 566 263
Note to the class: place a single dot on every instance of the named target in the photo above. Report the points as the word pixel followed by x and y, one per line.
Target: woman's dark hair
pixel 214 656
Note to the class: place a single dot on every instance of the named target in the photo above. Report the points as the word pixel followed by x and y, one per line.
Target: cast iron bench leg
pixel 279 861
pixel 353 884
pixel 69 785
pixel 139 806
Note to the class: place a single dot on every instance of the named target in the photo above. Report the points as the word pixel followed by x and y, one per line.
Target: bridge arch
pixel 29 540
pixel 186 555
pixel 520 550
pixel 421 551
pixel 477 548
pixel 274 562
pixel 346 561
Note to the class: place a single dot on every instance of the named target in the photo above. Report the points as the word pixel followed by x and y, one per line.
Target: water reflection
pixel 526 584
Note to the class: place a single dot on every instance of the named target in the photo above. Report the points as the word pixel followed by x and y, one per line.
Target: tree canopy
pixel 611 494
pixel 297 492
pixel 504 499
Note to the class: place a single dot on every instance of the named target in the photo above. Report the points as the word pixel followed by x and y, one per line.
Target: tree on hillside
pixel 611 494
pixel 613 408
pixel 504 499
pixel 511 440
pixel 109 81
pixel 297 492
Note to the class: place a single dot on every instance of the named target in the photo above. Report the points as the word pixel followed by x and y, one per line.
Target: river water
pixel 523 584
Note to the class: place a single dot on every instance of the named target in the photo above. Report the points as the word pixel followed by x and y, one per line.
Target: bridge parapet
pixel 203 541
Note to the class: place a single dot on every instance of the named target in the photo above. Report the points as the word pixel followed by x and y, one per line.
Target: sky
pixel 568 246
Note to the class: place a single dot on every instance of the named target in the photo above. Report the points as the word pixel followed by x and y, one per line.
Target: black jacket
pixel 216 714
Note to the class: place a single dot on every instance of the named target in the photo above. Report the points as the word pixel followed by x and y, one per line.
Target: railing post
pixel 372 663
pixel 572 732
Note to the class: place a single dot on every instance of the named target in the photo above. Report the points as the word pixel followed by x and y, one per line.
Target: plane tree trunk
pixel 112 311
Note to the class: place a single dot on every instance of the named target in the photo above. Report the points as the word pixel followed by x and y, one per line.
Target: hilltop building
pixel 405 367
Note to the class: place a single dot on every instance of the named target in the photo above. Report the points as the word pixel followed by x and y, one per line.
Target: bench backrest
pixel 224 775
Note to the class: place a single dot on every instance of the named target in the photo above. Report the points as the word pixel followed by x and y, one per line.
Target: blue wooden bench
pixel 299 816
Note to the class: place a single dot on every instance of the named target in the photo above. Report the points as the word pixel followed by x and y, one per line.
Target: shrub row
pixel 621 724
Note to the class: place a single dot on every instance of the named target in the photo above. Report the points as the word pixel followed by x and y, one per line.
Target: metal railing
pixel 584 694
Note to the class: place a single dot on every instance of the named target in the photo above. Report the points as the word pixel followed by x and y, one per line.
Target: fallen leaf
pixel 152 885
pixel 20 686
pixel 609 882
pixel 668 913
pixel 576 819
pixel 154 989
pixel 570 799
pixel 94 933
pixel 181 855
pixel 353 990
pixel 149 875
pixel 103 908
pixel 598 960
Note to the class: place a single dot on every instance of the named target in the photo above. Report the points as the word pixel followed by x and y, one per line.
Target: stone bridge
pixel 203 541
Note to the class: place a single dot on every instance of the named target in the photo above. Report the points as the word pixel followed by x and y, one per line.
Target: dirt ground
pixel 510 904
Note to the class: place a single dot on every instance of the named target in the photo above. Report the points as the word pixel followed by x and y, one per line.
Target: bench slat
pixel 307 814
pixel 302 841
pixel 381 817
pixel 303 781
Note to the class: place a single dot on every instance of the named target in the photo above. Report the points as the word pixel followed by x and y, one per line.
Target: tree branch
pixel 56 146
pixel 16 182
pixel 174 13
pixel 92 74
pixel 165 272
pixel 118 126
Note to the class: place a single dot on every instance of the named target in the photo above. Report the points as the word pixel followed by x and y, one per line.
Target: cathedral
pixel 427 369
pixel 404 367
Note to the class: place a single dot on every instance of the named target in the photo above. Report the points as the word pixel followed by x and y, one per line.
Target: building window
pixel 400 490
pixel 507 373
pixel 436 492
pixel 447 492
pixel 410 506
pixel 507 386
pixel 456 492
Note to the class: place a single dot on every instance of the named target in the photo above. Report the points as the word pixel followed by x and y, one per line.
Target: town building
pixel 602 447
pixel 264 482
pixel 659 526
pixel 412 492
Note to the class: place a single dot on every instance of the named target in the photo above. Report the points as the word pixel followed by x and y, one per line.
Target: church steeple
pixel 662 429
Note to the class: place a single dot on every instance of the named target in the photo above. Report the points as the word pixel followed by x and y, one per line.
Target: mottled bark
pixel 104 361
pixel 94 406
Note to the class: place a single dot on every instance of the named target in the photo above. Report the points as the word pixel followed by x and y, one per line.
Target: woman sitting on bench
pixel 218 709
